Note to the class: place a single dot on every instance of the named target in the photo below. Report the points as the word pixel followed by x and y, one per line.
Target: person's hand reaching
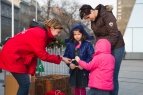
pixel 72 66
pixel 66 60
pixel 29 75
pixel 77 58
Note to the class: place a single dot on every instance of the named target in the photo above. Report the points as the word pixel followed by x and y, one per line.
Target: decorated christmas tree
pixel 58 43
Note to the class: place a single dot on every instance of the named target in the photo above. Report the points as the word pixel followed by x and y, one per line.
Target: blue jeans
pixel 94 91
pixel 24 83
pixel 118 55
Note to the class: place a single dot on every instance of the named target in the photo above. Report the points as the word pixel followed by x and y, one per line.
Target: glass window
pixel 137 39
pixel 8 22
pixel 136 17
pixel 7 11
pixel 2 11
pixel 139 1
pixel 16 14
pixel 3 21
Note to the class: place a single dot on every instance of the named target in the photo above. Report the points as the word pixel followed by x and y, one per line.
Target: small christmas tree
pixel 59 42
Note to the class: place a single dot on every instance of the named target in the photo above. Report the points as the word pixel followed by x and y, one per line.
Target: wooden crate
pixel 49 82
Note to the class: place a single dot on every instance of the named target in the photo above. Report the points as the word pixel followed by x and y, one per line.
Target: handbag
pixel 54 92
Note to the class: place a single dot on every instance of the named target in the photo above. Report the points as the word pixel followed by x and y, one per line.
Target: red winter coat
pixel 20 53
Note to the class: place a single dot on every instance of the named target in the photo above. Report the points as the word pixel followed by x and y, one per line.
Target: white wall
pixel 128 40
pixel 136 18
pixel 139 1
pixel 134 32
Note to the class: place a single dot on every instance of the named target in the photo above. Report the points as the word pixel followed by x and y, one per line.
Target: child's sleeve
pixel 93 64
pixel 90 52
pixel 66 53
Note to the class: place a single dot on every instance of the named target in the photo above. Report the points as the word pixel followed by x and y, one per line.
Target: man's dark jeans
pixel 118 54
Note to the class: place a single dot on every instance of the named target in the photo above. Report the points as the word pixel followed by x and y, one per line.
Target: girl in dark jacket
pixel 103 24
pixel 78 46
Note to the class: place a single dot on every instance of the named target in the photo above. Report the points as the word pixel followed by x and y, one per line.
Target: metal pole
pixel 0 21
pixel 36 11
pixel 49 4
pixel 12 18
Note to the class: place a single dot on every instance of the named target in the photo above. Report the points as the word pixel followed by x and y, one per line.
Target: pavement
pixel 1 83
pixel 130 78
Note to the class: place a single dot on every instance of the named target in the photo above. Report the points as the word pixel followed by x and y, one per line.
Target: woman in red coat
pixel 19 54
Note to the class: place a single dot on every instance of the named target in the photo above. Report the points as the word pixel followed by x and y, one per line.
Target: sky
pixel 93 3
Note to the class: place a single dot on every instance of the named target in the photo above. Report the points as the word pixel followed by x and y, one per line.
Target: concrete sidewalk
pixel 130 78
pixel 1 83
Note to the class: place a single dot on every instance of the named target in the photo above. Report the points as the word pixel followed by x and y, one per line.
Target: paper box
pixel 11 86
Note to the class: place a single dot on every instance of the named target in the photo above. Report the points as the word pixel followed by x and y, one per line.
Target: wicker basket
pixel 49 82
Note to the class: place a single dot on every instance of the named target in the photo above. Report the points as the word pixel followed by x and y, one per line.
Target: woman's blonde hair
pixel 55 23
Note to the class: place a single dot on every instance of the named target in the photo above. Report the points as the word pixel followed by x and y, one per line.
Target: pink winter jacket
pixel 101 67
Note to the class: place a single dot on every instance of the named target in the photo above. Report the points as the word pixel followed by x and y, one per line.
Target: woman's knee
pixel 22 80
pixel 25 84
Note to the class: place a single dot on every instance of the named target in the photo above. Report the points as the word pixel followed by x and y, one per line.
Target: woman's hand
pixel 66 60
pixel 29 75
pixel 77 58
pixel 72 66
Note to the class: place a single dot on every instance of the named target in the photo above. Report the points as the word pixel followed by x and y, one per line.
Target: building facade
pixel 6 19
pixel 24 12
pixel 27 12
pixel 129 19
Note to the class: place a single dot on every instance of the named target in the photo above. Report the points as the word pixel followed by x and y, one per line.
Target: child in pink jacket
pixel 101 69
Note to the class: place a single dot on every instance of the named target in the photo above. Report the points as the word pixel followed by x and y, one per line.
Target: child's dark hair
pixel 85 10
pixel 72 35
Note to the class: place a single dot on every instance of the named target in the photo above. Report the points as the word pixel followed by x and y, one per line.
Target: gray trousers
pixel 94 91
